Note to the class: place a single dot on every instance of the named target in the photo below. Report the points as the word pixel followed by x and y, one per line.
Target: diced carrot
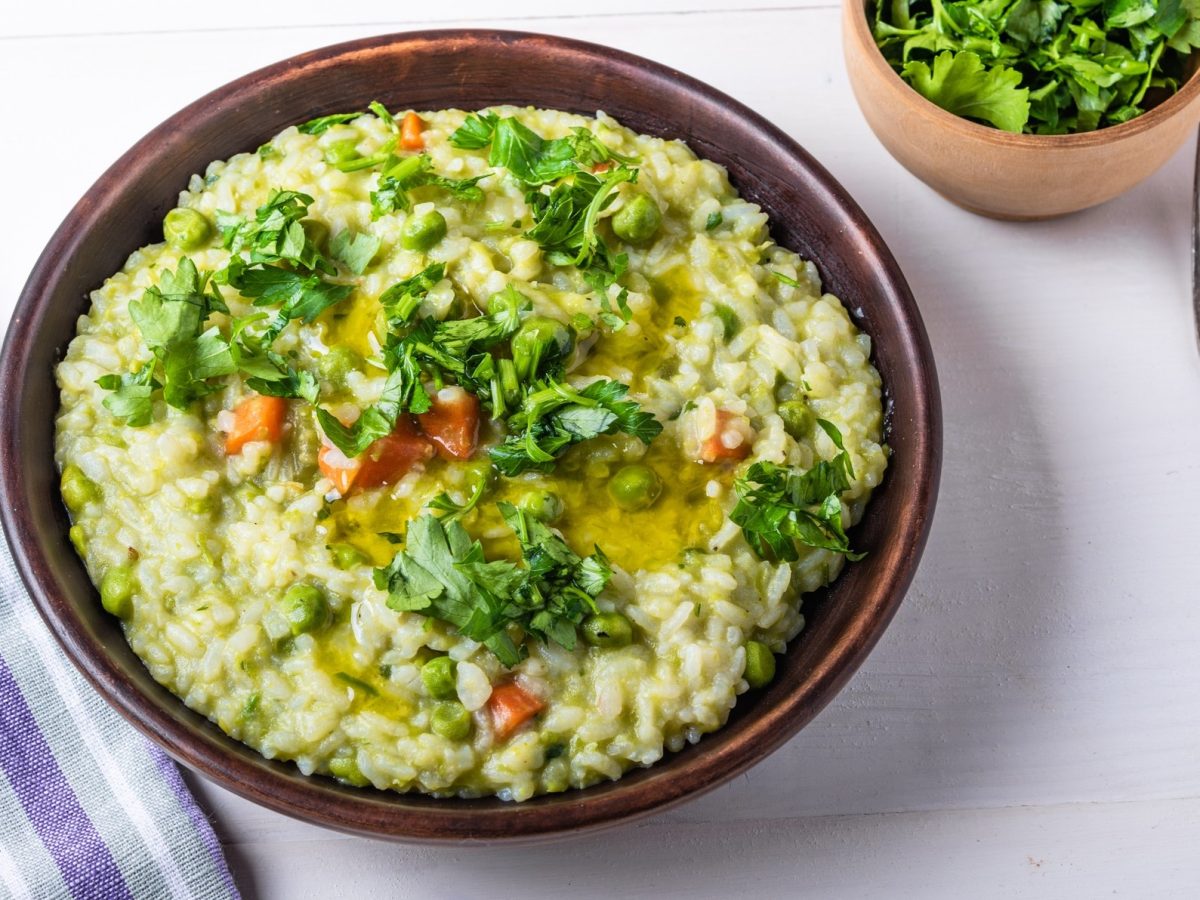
pixel 257 418
pixel 715 447
pixel 386 461
pixel 510 706
pixel 452 423
pixel 411 127
pixel 600 167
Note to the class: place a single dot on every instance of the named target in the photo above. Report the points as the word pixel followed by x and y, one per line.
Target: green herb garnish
pixel 442 573
pixel 530 157
pixel 276 234
pixel 321 124
pixel 400 176
pixel 779 506
pixel 1040 66
pixel 565 222
pixel 354 251
pixel 554 416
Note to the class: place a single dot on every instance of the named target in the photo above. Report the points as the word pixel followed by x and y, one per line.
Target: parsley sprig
pixel 454 349
pixel 401 175
pixel 564 215
pixel 191 360
pixel 1040 66
pixel 442 573
pixel 556 416
pixel 780 506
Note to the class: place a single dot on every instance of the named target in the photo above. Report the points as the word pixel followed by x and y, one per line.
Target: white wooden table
pixel 1030 724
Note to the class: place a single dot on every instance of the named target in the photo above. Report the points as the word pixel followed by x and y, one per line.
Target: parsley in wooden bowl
pixel 1026 109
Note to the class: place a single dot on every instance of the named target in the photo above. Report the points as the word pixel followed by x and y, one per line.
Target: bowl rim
pixel 860 28
pixel 416 818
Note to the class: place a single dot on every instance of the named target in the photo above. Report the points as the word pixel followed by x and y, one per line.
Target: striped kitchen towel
pixel 88 808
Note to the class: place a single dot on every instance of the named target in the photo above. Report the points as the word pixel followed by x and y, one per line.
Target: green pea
pixel 539 342
pixel 186 229
pixel 305 608
pixel 545 506
pixel 339 362
pixel 77 489
pixel 116 591
pixel 451 720
pixel 423 232
pixel 638 220
pixel 346 556
pixel 439 677
pixel 607 630
pixel 635 487
pixel 342 152
pixel 798 419
pixel 346 769
pixel 760 664
pixel 78 540
pixel 508 303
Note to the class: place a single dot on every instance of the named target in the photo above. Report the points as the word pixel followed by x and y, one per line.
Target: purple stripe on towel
pixel 170 774
pixel 87 866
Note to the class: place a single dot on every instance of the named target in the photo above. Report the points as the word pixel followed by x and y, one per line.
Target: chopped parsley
pixel 565 219
pixel 533 159
pixel 565 215
pixel 1040 66
pixel 443 574
pixel 399 176
pixel 321 124
pixel 276 234
pixel 780 506
pixel 555 416
pixel 354 251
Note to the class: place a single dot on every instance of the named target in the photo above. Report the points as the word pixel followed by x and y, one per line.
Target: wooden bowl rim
pixel 860 31
pixel 417 818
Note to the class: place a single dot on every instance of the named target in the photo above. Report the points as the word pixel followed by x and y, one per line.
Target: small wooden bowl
pixel 997 173
pixel 809 212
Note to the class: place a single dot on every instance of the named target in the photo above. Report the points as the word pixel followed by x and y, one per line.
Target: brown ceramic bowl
pixel 809 212
pixel 997 173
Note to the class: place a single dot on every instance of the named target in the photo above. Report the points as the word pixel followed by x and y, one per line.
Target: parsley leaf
pixel 565 222
pixel 476 132
pixel 130 400
pixel 959 84
pixel 453 511
pixel 779 506
pixel 299 296
pixel 321 124
pixel 619 318
pixel 189 360
pixel 444 574
pixel 276 234
pixel 1080 64
pixel 401 176
pixel 354 251
pixel 555 416
pixel 530 157
pixel 402 299
pixel 453 347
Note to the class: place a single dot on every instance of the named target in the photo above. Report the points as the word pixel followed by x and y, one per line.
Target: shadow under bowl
pixel 809 213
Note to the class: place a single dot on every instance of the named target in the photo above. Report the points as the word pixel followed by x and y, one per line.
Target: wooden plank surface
pixel 1030 724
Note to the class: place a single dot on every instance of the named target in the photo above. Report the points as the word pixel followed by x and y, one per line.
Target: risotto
pixel 465 454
